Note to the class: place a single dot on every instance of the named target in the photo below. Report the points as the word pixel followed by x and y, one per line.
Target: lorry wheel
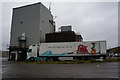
pixel 32 59
pixel 49 59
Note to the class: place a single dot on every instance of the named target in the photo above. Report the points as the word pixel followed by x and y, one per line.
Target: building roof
pixel 62 32
pixel 27 5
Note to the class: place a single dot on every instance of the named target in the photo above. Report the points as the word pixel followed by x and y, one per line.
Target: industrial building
pixel 34 24
pixel 69 36
pixel 66 35
pixel 61 37
pixel 34 20
pixel 30 23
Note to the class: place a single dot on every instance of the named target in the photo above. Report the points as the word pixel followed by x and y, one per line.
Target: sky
pixel 95 21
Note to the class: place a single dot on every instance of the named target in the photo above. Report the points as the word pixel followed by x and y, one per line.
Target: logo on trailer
pixel 82 49
pixel 93 51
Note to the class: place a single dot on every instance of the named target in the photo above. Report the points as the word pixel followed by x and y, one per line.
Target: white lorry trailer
pixel 67 50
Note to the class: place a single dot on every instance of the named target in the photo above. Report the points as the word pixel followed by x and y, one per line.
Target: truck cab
pixel 32 51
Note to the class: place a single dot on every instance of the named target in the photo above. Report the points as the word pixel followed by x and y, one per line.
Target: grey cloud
pixel 95 21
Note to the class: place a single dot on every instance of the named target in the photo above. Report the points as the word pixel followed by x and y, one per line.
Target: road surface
pixel 12 69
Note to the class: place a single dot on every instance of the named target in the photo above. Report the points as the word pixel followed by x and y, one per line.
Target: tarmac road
pixel 11 69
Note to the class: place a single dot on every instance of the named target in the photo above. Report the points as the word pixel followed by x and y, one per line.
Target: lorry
pixel 67 51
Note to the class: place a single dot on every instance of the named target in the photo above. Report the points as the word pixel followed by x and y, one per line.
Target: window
pixel 29 50
pixel 33 45
pixel 21 22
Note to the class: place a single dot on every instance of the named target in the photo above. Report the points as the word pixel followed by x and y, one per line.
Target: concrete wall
pixel 32 20
pixel 45 24
pixel 25 20
pixel 118 23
